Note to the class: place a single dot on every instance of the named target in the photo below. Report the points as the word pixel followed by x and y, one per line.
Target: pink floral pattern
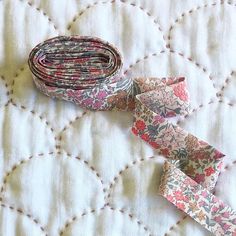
pixel 98 86
pixel 94 86
pixel 180 91
pixel 195 200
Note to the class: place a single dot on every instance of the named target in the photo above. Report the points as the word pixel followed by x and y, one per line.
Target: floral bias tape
pixel 197 201
pixel 83 70
pixel 86 71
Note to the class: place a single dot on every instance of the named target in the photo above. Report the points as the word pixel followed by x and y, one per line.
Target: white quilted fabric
pixel 66 172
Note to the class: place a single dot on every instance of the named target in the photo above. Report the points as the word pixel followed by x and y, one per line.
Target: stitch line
pixel 24 161
pixel 2 77
pixel 189 60
pixel 171 51
pixel 33 113
pixel 198 65
pixel 193 111
pixel 187 13
pixel 98 211
pixel 75 218
pixel 226 83
pixel 127 166
pixel 229 166
pixel 74 120
pixel 17 73
pixel 58 137
pixel 145 57
pixel 15 166
pixel 176 225
pixel 94 171
pixel 21 212
pixel 204 105
pixel 133 4
pixel 40 10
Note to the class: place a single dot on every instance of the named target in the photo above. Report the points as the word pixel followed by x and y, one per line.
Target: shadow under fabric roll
pixel 86 71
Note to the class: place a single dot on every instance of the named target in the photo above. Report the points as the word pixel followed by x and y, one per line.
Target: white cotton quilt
pixel 64 171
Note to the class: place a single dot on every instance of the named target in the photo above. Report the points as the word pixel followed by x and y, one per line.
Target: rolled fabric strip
pixel 86 71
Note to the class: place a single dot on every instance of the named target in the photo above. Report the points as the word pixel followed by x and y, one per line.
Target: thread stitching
pixel 15 166
pixel 11 92
pixel 194 111
pixel 33 113
pixel 171 51
pixel 133 4
pixel 7 86
pixel 58 138
pixel 226 83
pixel 229 166
pixel 106 206
pixel 176 225
pixel 188 13
pixel 94 171
pixel 41 11
pixel 127 166
pixel 23 161
pixel 21 212
pixel 204 105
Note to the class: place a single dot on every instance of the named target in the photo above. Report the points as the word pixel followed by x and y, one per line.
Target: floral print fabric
pixel 198 202
pixel 86 71
pixel 195 165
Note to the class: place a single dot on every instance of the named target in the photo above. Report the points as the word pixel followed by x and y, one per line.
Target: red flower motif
pixel 204 194
pixel 178 195
pixel 140 125
pixel 226 214
pixel 165 152
pixel 102 94
pixel 170 114
pixel 226 227
pixel 145 137
pixel 180 205
pixel 180 92
pixel 170 198
pixel 218 219
pixel 154 144
pixel 209 171
pixel 135 131
pixel 214 209
pixel 199 178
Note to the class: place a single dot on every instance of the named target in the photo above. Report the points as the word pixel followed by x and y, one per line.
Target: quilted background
pixel 66 171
